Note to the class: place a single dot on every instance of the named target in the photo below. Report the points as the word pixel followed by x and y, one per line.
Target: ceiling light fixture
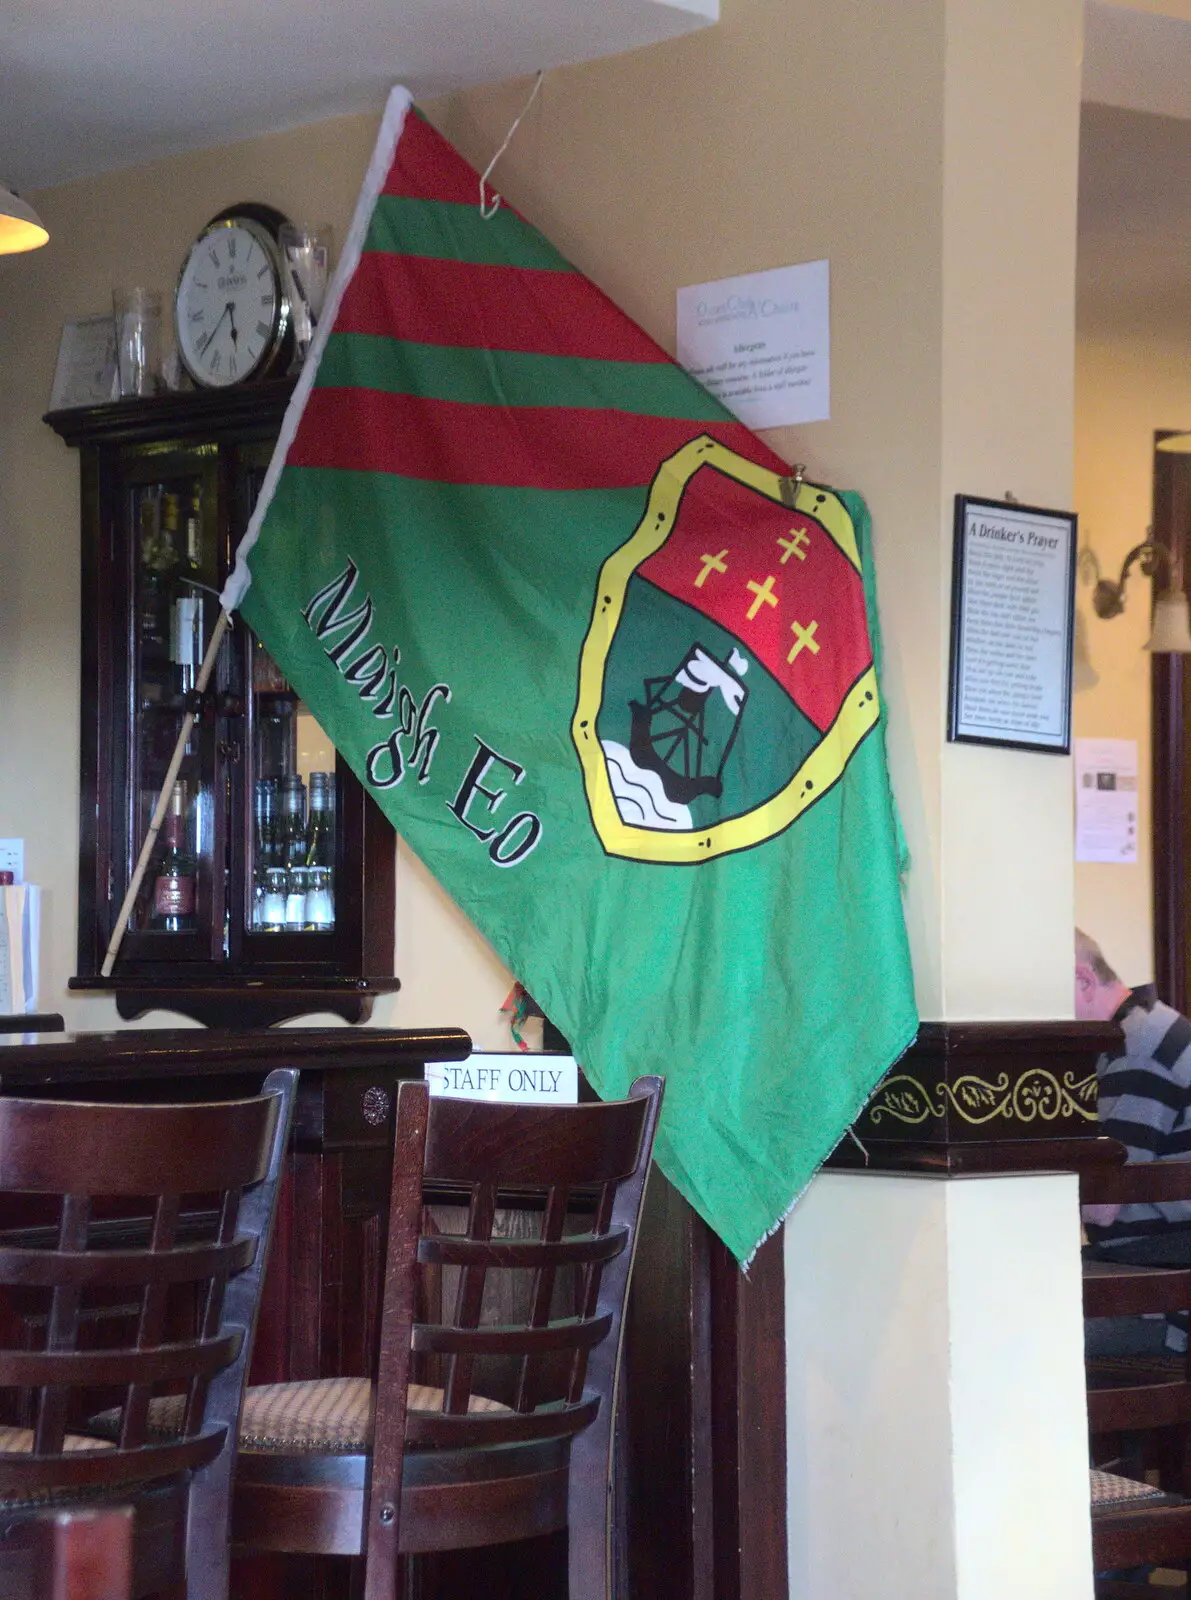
pixel 20 226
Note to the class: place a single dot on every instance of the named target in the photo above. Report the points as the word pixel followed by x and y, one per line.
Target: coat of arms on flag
pixel 746 599
pixel 608 667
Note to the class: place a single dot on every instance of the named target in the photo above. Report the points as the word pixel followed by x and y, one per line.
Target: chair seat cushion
pixel 316 1415
pixel 1111 1492
pixel 19 1442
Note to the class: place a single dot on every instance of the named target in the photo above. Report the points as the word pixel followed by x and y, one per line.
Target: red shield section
pixel 777 580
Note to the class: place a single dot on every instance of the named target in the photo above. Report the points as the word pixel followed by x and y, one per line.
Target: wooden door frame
pixel 1170 686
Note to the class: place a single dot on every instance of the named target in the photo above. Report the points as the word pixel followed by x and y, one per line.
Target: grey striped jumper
pixel 1145 1102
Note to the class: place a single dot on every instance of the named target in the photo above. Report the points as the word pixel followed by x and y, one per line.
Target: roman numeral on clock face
pixel 262 330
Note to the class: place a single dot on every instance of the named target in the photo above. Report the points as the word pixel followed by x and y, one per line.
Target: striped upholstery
pixel 19 1442
pixel 1110 1490
pixel 320 1414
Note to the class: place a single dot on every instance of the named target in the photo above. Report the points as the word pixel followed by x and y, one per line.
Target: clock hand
pixel 231 308
pixel 217 326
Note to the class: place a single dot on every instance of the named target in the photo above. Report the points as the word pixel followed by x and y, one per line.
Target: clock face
pixel 229 310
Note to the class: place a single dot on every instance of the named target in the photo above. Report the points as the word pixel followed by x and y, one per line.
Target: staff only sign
pixel 535 1078
pixel 611 669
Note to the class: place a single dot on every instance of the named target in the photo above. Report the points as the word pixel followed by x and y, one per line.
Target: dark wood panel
pixel 1170 771
pixel 981 1097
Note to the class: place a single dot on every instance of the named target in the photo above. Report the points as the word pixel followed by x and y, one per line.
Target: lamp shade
pixel 20 226
pixel 1171 633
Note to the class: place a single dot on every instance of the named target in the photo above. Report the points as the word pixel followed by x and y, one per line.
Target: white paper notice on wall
pixel 532 1077
pixel 20 926
pixel 1106 800
pixel 761 344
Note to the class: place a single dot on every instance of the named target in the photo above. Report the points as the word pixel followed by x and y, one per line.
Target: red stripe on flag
pixel 458 303
pixel 535 447
pixel 426 167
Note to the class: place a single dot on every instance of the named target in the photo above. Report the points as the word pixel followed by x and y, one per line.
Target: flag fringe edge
pixel 397 107
pixel 862 1102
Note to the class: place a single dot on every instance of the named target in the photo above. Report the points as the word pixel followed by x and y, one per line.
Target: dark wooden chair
pixel 83 1554
pixel 482 1426
pixel 161 1299
pixel 1137 1522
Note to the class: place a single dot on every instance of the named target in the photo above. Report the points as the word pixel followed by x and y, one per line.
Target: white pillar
pixel 935 1406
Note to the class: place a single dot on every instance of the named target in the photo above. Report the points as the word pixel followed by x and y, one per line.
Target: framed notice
pixel 1012 614
pixel 85 373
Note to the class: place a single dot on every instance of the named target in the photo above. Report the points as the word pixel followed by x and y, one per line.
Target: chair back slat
pixel 1138 1183
pixel 170 1310
pixel 471 1141
pixel 62 1327
pixel 148 1334
pixel 469 1300
pixel 1132 1399
pixel 45 1145
pixel 544 1279
pixel 534 1324
pixel 529 1254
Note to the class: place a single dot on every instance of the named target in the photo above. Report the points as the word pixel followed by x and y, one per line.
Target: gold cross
pixel 764 593
pixel 711 564
pixel 793 545
pixel 804 639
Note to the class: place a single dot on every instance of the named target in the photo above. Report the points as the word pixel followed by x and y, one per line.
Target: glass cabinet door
pixel 174 558
pixel 292 776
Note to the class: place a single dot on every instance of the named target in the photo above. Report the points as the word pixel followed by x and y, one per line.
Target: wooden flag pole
pixel 163 799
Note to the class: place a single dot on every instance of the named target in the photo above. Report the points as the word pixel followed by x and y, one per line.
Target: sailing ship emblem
pixel 727 675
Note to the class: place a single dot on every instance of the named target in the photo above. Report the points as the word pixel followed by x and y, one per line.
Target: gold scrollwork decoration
pixel 904 1099
pixel 1036 1096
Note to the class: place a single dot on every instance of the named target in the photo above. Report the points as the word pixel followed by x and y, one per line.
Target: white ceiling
pixel 87 88
pixel 1134 261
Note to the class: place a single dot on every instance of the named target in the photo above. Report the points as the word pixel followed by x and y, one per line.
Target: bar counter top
pixel 28 1059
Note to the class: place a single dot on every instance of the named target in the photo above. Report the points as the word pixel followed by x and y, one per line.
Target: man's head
pixel 1098 991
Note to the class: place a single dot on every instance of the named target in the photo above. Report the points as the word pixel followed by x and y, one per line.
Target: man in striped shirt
pixel 1145 1102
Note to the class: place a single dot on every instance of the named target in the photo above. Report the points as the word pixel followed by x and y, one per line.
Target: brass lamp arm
pixel 1108 598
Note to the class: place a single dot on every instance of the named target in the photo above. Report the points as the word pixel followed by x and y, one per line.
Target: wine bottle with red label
pixel 174 886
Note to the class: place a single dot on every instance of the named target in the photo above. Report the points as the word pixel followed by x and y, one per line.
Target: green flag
pixel 606 665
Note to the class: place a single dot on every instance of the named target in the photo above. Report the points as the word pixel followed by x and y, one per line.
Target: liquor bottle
pixel 186 613
pixel 293 821
pixel 267 855
pixel 174 885
pixel 320 854
pixel 293 844
pixel 193 556
pixel 159 556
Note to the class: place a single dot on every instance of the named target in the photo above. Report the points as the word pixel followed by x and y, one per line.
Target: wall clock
pixel 231 306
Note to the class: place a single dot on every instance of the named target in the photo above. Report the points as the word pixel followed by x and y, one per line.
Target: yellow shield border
pixel 823 766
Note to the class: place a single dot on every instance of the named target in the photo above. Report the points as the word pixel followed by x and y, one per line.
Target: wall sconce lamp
pixel 1171 623
pixel 20 226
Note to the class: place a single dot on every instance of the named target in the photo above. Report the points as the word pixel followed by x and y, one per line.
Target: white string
pixel 489 211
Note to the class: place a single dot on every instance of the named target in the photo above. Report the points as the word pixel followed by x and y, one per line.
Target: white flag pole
pixel 163 799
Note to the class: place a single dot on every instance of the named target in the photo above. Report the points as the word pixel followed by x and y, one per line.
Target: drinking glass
pixel 306 253
pixel 137 315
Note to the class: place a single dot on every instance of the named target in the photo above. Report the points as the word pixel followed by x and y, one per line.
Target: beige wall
pixel 887 139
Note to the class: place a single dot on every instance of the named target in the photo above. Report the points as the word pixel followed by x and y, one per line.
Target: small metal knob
pixel 375 1105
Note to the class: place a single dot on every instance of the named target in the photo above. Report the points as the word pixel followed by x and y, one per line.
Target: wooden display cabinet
pixel 240 927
